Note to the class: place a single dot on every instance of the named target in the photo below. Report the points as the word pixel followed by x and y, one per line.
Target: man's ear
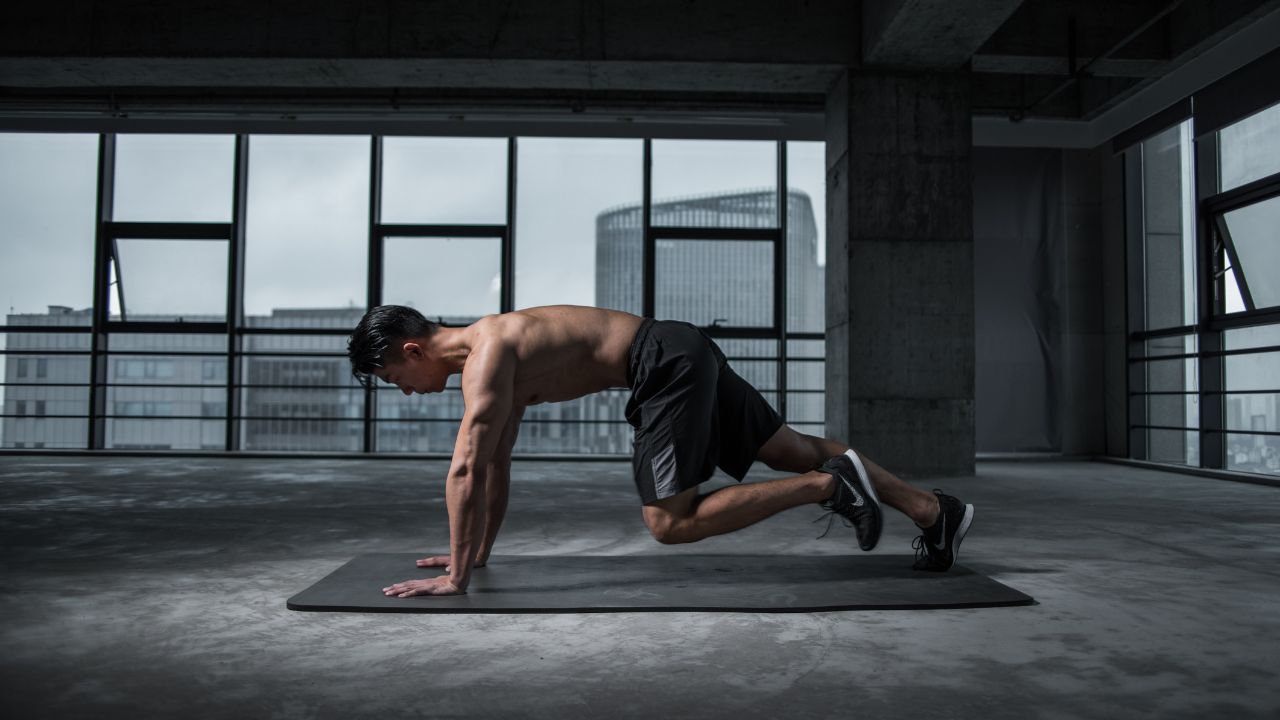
pixel 412 350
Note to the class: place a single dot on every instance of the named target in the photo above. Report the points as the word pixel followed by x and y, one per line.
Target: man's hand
pixel 430 586
pixel 443 561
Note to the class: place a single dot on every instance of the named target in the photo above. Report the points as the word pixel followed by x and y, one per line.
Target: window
pixel 715 282
pixel 568 249
pixel 457 279
pixel 169 280
pixel 1250 149
pixel 306 244
pixel 741 176
pixel 174 178
pixel 444 180
pixel 42 368
pixel 48 200
pixel 23 367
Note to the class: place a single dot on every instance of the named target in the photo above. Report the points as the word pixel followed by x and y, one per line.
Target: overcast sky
pixel 308 215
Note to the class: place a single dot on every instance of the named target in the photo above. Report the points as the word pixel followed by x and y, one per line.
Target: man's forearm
pixel 465 499
pixel 497 484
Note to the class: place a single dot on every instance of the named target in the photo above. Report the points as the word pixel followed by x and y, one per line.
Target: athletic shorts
pixel 691 412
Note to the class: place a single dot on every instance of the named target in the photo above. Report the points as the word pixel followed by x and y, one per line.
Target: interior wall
pixel 1044 232
pixel 1018 298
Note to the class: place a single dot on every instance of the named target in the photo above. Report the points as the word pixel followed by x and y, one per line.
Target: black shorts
pixel 691 411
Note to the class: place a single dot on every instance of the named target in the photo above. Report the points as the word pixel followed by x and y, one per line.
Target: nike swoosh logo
pixel 943 546
pixel 860 502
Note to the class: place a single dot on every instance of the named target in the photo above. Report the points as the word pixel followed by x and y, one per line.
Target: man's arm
pixel 498 485
pixel 488 381
pixel 497 478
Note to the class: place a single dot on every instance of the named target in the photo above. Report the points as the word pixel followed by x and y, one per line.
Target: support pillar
pixel 899 277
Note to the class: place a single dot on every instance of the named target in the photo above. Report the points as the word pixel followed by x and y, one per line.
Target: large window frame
pixel 236 331
pixel 1214 258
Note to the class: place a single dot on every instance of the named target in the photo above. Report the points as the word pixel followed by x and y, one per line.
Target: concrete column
pixel 900 327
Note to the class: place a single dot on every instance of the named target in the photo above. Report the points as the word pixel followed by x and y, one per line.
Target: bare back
pixel 565 351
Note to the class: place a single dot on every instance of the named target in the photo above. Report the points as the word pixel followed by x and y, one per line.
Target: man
pixel 691 413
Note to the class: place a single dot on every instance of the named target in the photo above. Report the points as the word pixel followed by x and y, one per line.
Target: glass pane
pixel 569 246
pixel 1255 231
pixel 308 225
pixel 48 197
pixel 212 343
pixel 162 370
pixel 444 180
pixel 1252 372
pixel 1249 149
pixel 1251 337
pixel 418 423
pixel 1172 446
pixel 1253 412
pixel 807 348
pixel 165 434
pixel 169 280
pixel 52 433
pixel 308 344
pixel 456 279
pixel 1169 232
pixel 1176 345
pixel 163 402
pixel 175 178
pixel 1172 375
pixel 299 403
pixel 723 282
pixel 300 434
pixel 293 374
pixel 805 375
pixel 805 408
pixel 806 237
pixel 715 183
pixel 1253 453
pixel 619 259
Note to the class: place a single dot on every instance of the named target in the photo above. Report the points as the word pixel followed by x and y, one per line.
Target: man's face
pixel 412 373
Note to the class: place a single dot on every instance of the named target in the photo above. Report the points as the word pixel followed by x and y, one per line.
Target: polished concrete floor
pixel 136 588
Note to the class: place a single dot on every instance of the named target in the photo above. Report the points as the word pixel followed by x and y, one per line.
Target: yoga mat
pixel 662 583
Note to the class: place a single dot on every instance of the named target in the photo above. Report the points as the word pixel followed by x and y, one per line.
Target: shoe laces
pixel 830 516
pixel 921 546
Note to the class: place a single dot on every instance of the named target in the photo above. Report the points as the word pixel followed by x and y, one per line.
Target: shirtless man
pixel 691 413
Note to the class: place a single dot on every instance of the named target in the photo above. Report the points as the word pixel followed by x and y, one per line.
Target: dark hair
pixel 377 338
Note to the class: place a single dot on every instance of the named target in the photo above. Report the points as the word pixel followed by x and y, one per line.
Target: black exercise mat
pixel 662 583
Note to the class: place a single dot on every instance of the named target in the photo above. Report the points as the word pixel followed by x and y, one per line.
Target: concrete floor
pixel 138 588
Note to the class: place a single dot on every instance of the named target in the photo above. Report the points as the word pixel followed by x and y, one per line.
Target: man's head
pixel 389 343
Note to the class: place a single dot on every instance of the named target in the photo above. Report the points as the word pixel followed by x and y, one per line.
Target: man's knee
pixel 666 527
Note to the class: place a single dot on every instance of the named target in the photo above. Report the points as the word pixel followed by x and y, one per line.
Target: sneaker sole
pixel 864 482
pixel 960 533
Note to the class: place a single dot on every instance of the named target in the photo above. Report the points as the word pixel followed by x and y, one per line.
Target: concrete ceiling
pixel 1068 59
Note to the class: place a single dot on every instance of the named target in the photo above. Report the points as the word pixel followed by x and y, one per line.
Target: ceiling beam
pixel 1047 65
pixel 935 34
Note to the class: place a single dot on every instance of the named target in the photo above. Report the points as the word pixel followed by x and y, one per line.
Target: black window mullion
pixel 780 249
pixel 507 300
pixel 647 300
pixel 101 292
pixel 373 292
pixel 235 289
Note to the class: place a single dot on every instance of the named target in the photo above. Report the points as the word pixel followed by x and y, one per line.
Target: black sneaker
pixel 854 499
pixel 938 546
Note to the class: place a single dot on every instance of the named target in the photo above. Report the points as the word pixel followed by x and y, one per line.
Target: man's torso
pixel 564 351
